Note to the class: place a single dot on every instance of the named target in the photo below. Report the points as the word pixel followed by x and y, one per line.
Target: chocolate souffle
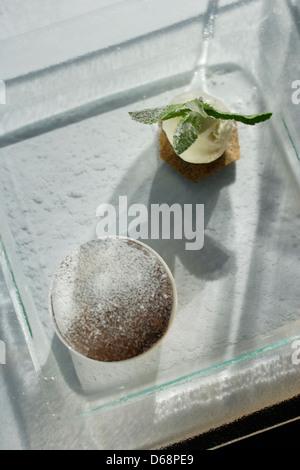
pixel 112 299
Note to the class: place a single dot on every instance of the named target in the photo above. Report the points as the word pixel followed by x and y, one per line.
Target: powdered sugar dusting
pixel 112 299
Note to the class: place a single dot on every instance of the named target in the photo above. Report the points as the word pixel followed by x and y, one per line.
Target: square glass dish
pixel 68 145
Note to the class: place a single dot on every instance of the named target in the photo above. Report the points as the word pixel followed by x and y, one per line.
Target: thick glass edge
pixel 290 136
pixel 188 378
pixel 17 301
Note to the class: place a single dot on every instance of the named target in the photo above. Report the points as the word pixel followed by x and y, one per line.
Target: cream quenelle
pixel 214 136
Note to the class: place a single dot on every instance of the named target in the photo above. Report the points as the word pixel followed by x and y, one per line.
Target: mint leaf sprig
pixel 191 114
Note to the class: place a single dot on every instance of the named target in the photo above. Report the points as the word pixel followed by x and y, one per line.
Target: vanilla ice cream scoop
pixel 214 134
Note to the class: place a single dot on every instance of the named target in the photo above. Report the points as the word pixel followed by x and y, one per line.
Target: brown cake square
pixel 196 172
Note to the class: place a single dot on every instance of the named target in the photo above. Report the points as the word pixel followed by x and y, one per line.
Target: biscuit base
pixel 193 171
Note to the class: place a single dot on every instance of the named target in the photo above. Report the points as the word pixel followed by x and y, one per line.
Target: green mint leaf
pixel 147 116
pixel 152 115
pixel 192 113
pixel 187 132
pixel 174 110
pixel 197 107
pixel 250 119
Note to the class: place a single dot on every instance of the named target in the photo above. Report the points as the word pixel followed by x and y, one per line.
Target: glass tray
pixel 67 145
